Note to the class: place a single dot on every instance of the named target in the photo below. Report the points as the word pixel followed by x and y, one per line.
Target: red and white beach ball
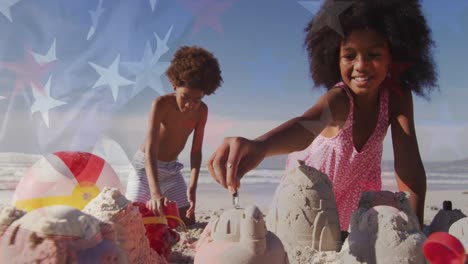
pixel 64 178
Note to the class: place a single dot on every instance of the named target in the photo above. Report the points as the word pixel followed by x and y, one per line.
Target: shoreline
pixel 213 197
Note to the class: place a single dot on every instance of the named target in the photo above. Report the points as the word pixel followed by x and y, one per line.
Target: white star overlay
pixel 6 116
pixel 148 72
pixel 43 102
pixel 111 151
pixel 110 76
pixel 5 6
pixel 47 58
pixel 333 11
pixel 153 4
pixel 311 6
pixel 161 44
pixel 95 15
pixel 316 126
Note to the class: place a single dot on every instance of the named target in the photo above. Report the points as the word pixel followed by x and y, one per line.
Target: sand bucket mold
pixel 443 248
pixel 171 218
pixel 159 228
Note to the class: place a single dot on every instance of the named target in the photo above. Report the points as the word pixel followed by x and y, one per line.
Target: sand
pixel 184 254
pixel 303 211
pixel 384 229
pixel 110 206
pixel 212 198
pixel 239 236
pixel 108 230
pixel 459 229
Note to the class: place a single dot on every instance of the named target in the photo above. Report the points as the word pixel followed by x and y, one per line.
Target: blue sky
pixel 106 61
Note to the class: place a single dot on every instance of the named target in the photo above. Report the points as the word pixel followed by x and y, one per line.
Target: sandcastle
pixel 239 236
pixel 302 216
pixel 459 229
pixel 444 219
pixel 303 211
pixel 8 214
pixel 111 206
pixel 59 234
pixel 384 228
pixel 108 230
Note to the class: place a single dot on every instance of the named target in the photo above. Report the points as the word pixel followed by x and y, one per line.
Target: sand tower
pixel 303 211
pixel 445 218
pixel 110 206
pixel 384 229
pixel 58 234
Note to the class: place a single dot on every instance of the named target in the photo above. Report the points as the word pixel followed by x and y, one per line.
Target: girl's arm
pixel 157 113
pixel 409 169
pixel 236 155
pixel 297 133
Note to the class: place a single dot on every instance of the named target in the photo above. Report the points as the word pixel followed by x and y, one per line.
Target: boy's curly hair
pixel 401 21
pixel 195 68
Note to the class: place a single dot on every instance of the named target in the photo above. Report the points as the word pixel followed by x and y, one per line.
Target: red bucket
pixel 172 214
pixel 160 236
pixel 443 248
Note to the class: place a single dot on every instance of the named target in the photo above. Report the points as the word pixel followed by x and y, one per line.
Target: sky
pixel 80 75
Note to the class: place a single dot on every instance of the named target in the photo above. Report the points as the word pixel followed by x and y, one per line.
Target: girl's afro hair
pixel 401 21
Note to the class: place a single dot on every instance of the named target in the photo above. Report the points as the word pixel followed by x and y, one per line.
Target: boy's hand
pixel 156 205
pixel 191 197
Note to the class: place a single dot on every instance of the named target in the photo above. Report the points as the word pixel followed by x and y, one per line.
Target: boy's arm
pixel 409 169
pixel 197 143
pixel 195 159
pixel 157 112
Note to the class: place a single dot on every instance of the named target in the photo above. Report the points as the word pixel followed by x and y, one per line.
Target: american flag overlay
pixel 73 72
pixel 67 68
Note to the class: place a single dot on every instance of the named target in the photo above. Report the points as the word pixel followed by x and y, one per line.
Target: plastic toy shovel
pixel 235 200
pixel 443 248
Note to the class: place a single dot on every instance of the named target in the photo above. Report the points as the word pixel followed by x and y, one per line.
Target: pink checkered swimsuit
pixel 351 172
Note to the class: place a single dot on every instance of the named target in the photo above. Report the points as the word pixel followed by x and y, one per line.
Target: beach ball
pixel 69 178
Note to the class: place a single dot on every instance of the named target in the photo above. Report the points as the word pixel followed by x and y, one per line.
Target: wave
pixel 11 175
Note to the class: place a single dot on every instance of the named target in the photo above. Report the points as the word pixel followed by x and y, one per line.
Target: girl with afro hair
pixel 370 55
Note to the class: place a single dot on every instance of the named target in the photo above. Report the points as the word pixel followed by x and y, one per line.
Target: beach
pixel 213 198
pixel 258 189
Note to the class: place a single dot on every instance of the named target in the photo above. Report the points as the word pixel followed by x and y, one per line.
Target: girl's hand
pixel 235 157
pixel 191 197
pixel 156 205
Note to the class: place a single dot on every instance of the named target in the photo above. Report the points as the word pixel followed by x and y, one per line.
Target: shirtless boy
pixel 194 72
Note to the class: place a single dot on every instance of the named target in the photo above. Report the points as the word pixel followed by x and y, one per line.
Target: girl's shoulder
pixel 337 96
pixel 338 102
pixel 399 102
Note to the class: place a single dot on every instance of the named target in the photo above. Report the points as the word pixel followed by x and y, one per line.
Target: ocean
pixel 10 174
pixel 440 175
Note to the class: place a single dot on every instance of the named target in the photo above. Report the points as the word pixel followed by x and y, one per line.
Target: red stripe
pixel 85 166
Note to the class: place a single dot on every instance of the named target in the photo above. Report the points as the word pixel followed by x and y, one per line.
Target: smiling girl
pixel 370 72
